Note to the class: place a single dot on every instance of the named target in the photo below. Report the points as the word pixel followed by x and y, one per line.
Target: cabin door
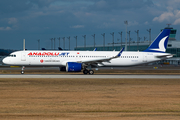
pixel 144 57
pixel 23 56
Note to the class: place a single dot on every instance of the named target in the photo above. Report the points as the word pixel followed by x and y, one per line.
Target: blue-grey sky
pixel 45 19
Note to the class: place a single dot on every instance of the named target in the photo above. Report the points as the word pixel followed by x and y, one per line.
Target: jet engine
pixel 73 67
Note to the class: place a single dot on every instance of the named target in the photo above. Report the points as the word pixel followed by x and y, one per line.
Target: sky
pixel 42 20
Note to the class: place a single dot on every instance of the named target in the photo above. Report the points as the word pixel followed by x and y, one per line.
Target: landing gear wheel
pixel 62 68
pixel 91 72
pixel 22 72
pixel 85 71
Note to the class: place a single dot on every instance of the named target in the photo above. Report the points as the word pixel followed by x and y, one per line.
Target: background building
pixel 173 47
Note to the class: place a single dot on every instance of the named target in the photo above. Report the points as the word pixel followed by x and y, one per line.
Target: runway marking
pixel 92 76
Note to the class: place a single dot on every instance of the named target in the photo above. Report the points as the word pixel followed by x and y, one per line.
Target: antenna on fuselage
pixel 24 44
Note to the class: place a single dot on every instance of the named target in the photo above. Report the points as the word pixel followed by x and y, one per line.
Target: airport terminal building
pixel 173 47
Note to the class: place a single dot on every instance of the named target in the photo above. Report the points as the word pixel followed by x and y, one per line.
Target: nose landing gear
pixel 23 68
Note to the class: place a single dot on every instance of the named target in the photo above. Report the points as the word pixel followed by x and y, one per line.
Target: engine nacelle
pixel 73 67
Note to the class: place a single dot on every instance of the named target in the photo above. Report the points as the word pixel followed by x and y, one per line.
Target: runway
pixel 90 76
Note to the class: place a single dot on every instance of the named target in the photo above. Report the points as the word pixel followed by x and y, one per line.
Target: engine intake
pixel 73 67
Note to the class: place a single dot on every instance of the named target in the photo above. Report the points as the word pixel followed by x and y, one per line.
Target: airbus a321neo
pixel 77 61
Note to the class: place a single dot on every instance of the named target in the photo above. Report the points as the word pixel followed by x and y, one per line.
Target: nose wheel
pixel 22 71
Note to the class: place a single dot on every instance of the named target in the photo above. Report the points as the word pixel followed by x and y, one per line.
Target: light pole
pixel 51 43
pixel 38 44
pixel 129 39
pixel 54 43
pixel 94 39
pixel 69 41
pixel 63 43
pixel 149 30
pixel 112 39
pixel 121 38
pixel 137 31
pixel 126 23
pixel 103 41
pixel 59 41
pixel 145 39
pixel 84 36
pixel 76 41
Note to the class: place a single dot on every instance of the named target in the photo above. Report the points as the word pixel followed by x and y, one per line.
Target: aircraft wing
pixel 165 56
pixel 102 59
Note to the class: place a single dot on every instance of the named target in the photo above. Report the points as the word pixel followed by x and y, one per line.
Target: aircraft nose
pixel 5 61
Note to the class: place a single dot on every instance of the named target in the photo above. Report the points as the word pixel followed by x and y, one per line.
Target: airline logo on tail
pixel 160 43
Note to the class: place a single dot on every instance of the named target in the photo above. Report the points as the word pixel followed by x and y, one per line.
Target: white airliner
pixel 75 61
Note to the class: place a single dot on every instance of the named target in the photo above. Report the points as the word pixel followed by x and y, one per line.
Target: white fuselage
pixel 60 58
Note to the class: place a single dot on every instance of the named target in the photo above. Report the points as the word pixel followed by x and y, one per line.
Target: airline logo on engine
pixel 48 54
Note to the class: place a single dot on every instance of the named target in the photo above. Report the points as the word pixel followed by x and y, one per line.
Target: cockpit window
pixel 12 55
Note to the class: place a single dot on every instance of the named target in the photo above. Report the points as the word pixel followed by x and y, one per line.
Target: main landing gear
pixel 85 71
pixel 22 71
